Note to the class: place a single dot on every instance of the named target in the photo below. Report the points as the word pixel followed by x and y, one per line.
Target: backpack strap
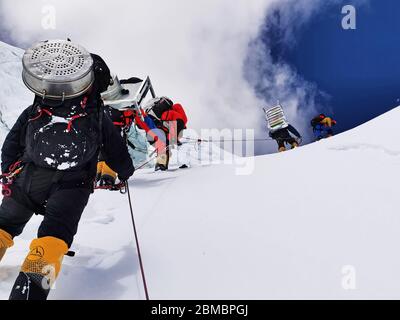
pixel 40 112
pixel 72 119
pixel 100 115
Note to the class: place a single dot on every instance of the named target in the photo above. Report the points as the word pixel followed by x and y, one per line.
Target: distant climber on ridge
pixel 122 115
pixel 323 126
pixel 280 130
pixel 166 118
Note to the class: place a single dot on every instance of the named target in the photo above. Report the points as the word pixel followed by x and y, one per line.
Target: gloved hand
pixel 123 179
pixel 152 139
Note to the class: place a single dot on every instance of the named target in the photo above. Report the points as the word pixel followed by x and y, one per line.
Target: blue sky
pixel 359 69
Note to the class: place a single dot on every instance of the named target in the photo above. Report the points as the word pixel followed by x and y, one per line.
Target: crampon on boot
pixel 161 167
pixel 30 286
pixel 40 269
pixel 162 162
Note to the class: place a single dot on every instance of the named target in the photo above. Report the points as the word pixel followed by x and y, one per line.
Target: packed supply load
pixel 58 69
pixel 276 118
pixel 124 100
pixel 157 106
pixel 127 94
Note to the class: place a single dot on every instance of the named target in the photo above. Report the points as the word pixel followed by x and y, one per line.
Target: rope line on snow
pixel 199 141
pixel 228 140
pixel 146 291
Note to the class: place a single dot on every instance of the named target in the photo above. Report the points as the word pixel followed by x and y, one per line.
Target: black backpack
pixel 66 137
pixel 162 105
pixel 317 120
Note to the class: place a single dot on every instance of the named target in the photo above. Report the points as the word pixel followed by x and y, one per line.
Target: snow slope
pixel 14 97
pixel 285 231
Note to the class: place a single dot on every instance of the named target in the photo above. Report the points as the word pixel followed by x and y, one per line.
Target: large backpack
pixel 66 137
pixel 317 120
pixel 276 119
pixel 157 106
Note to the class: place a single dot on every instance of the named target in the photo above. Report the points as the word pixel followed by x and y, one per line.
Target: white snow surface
pixel 286 231
pixel 14 97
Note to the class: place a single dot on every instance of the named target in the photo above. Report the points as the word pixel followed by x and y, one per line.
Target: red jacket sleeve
pixel 178 108
pixel 141 124
pixel 176 113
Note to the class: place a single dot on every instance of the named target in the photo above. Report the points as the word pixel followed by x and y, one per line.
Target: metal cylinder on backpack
pixel 58 69
pixel 120 97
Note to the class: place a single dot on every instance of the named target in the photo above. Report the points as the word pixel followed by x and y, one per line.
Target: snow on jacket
pixel 113 147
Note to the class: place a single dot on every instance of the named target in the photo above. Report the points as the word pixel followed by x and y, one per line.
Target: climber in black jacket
pixel 284 135
pixel 54 148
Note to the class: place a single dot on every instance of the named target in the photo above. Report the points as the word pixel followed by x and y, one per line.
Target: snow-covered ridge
pixel 291 230
pixel 10 53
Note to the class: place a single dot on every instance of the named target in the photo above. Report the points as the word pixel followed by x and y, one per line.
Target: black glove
pixel 123 179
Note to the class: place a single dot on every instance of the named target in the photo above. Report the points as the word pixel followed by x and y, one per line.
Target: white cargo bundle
pixel 131 95
pixel 276 118
pixel 138 91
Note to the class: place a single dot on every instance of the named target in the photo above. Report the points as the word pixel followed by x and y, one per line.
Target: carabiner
pixel 123 189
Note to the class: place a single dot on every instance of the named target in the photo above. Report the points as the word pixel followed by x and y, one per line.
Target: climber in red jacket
pixel 162 114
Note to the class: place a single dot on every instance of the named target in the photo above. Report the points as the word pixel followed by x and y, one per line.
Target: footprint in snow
pixel 101 220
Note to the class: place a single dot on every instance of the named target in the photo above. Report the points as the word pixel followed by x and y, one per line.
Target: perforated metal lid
pixel 58 69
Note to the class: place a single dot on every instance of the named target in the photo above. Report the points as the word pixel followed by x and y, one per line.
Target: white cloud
pixel 194 51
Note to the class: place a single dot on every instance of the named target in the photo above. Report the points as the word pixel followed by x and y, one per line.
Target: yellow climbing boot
pixel 109 173
pixel 105 174
pixel 45 257
pixel 162 162
pixel 39 270
pixel 99 169
pixel 6 242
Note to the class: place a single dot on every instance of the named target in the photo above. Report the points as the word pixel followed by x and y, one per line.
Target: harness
pixel 7 179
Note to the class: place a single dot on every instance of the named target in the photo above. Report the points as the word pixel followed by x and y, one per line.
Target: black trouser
pixel 60 197
pixel 283 136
